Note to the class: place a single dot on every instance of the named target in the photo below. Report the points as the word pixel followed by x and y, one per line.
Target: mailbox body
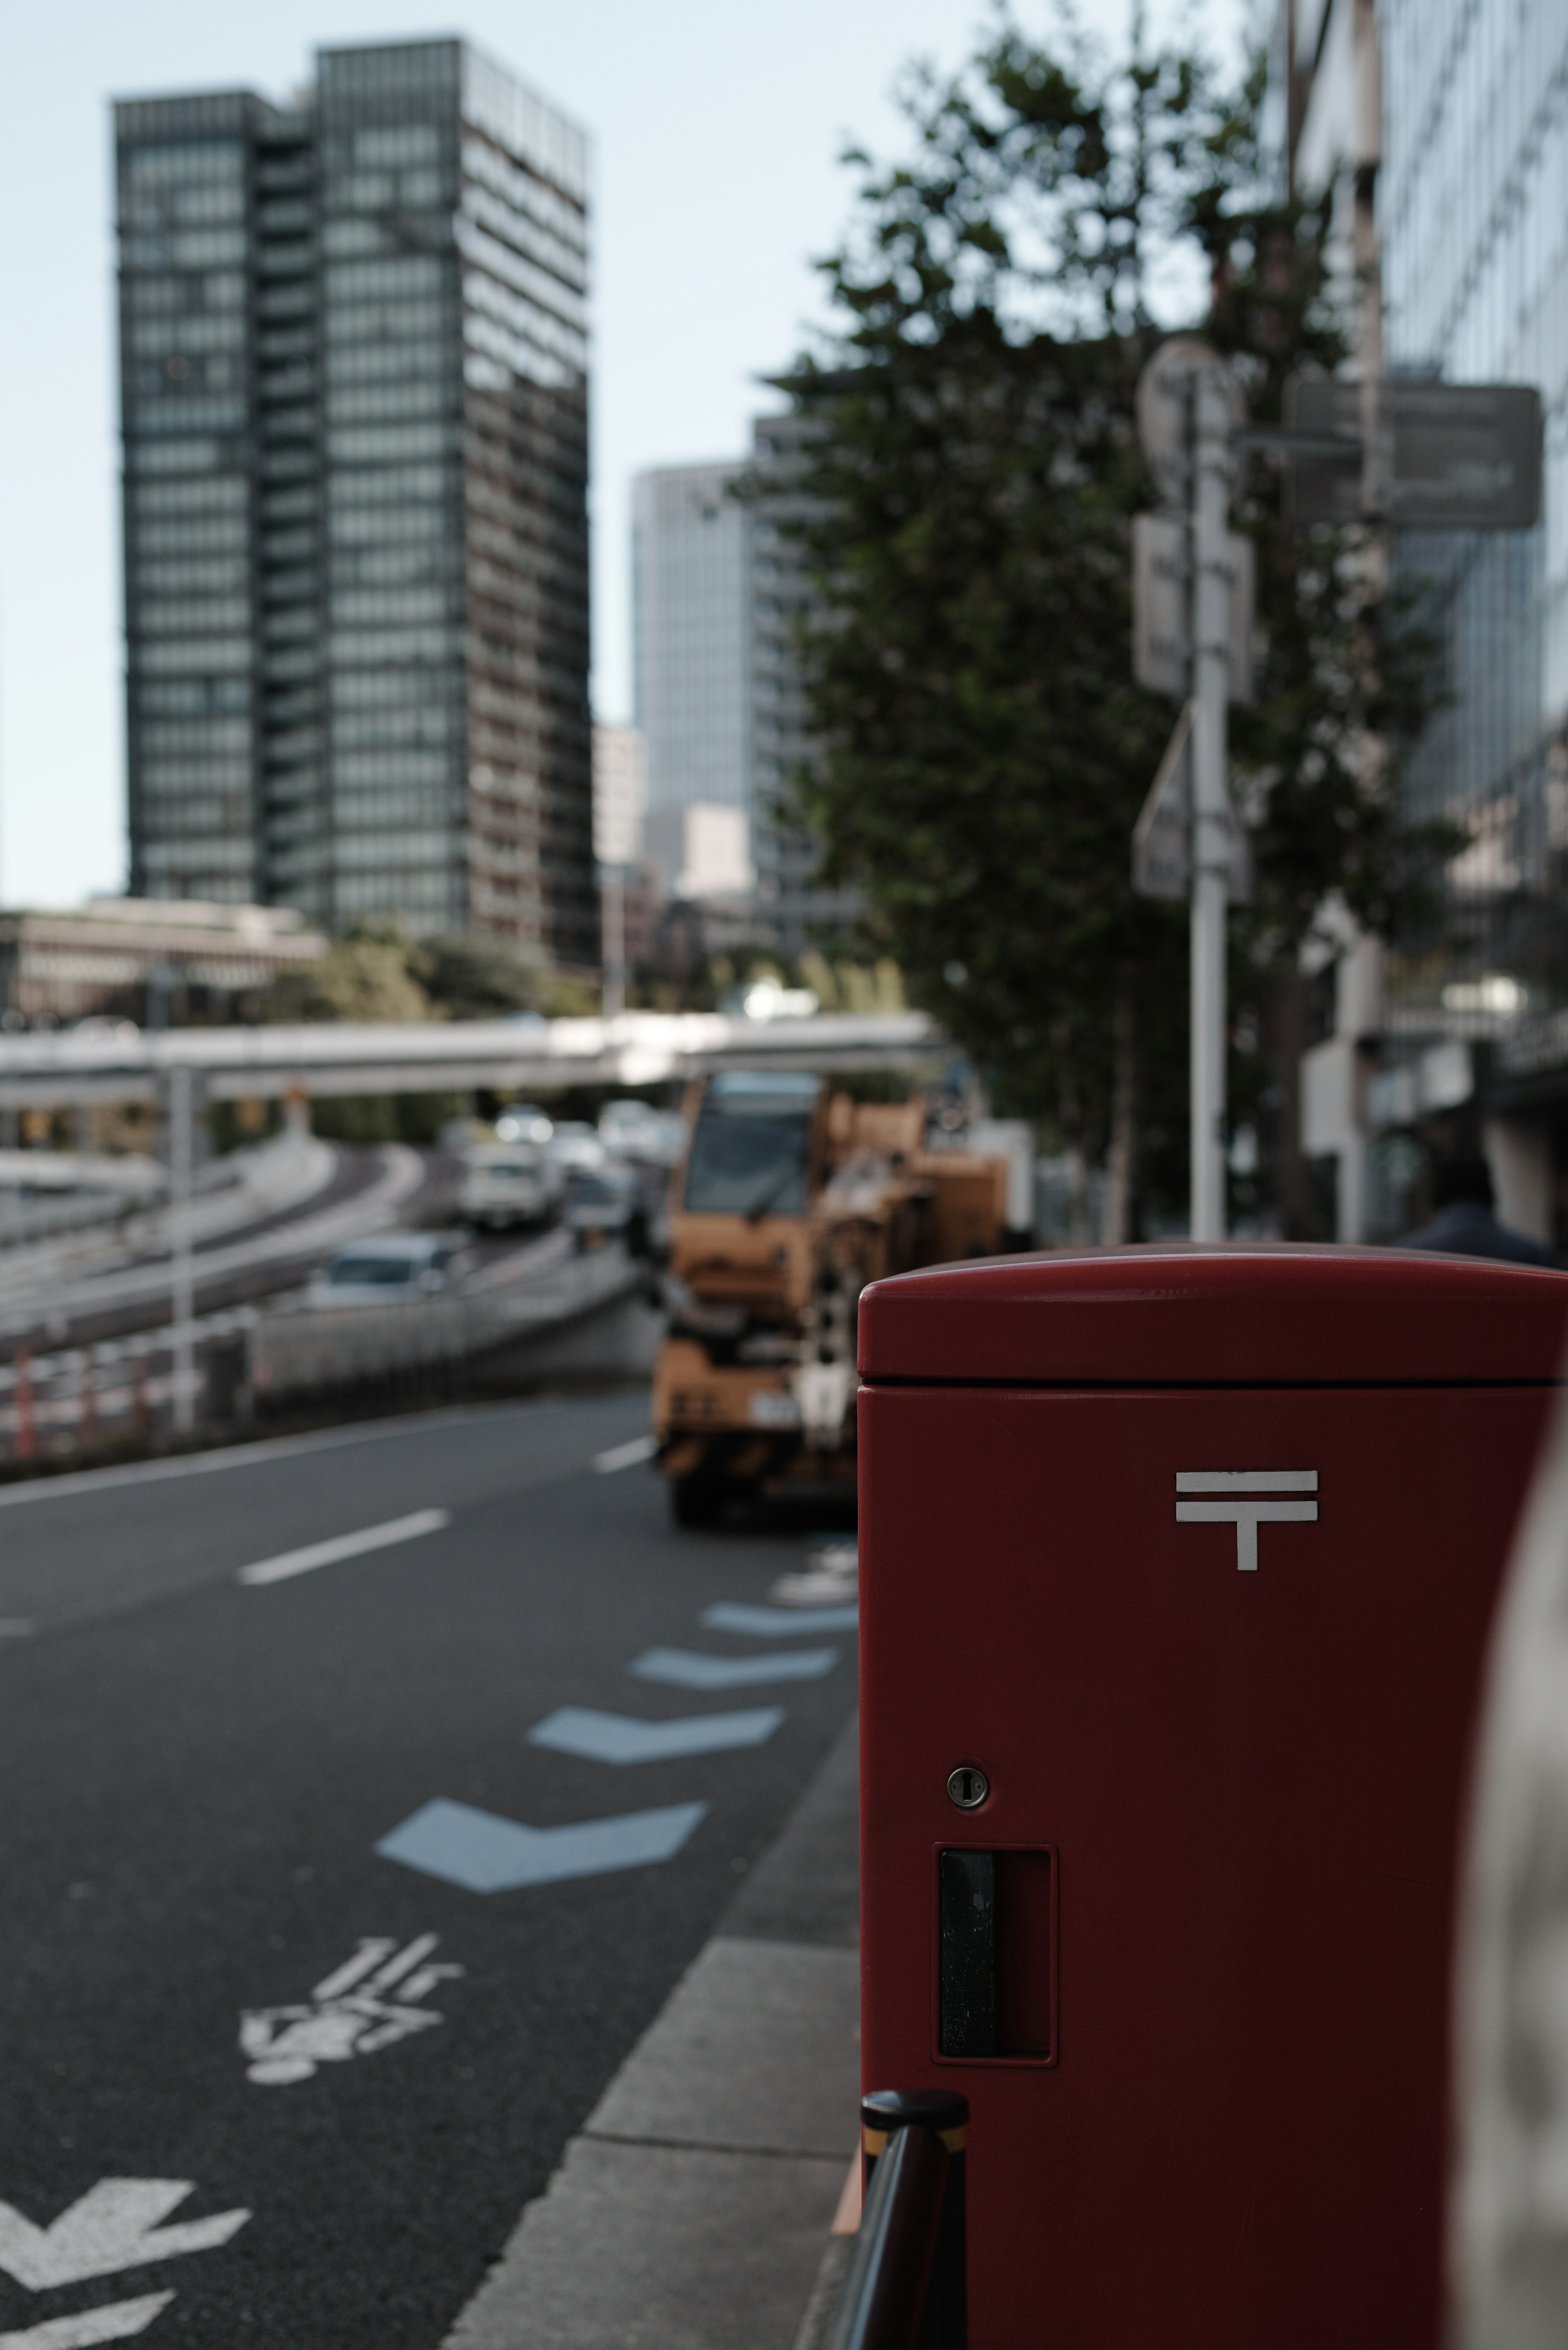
pixel 1209 2092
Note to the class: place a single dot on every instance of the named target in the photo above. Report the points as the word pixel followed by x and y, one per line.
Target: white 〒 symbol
pixel 349 2014
pixel 1239 1503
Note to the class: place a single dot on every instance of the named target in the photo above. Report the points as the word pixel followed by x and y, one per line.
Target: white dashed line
pixel 327 1553
pixel 625 1456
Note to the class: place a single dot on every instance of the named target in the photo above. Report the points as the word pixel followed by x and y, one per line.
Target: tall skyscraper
pixel 354 371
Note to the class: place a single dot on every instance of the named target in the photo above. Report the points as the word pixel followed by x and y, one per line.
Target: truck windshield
pixel 749 1154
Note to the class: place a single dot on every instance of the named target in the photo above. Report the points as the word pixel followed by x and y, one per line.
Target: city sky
pixel 716 129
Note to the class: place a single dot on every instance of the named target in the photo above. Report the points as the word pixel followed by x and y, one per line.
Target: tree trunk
pixel 1070 1119
pixel 1121 1157
pixel 1295 1175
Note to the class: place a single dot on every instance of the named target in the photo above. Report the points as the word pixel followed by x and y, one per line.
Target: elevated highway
pixel 116 1061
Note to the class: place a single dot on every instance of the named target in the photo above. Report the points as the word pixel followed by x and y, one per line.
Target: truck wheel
pixel 696 1500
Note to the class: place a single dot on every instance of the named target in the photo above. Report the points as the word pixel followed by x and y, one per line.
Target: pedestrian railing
pixel 905 2287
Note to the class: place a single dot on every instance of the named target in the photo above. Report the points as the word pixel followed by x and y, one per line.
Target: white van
pixel 507 1183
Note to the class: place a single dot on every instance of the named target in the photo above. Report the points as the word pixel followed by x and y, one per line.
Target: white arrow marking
pixel 617 1738
pixel 115 2323
pixel 485 1853
pixel 114 2226
pixel 327 1553
pixel 689 1669
pixel 770 1623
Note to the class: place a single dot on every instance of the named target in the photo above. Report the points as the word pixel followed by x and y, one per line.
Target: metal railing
pixel 906 2288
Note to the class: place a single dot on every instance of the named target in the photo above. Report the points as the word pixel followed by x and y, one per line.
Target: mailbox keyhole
pixel 997 1956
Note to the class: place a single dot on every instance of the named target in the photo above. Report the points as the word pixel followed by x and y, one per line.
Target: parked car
pixel 387 1269
pixel 576 1147
pixel 507 1183
pixel 635 1130
pixel 524 1122
pixel 609 1205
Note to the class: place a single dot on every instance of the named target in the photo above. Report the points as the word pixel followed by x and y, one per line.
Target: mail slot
pixel 1177 1568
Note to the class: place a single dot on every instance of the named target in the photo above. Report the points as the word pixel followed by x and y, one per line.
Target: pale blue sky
pixel 716 126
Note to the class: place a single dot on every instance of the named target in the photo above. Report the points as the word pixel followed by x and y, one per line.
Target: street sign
pixel 1421 456
pixel 1162 836
pixel 1162 644
pixel 1164 412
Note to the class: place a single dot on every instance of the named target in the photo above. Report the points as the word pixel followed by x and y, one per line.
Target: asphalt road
pixel 198 1772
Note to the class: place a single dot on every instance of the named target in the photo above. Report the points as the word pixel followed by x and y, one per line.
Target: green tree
pixel 363 975
pixel 984 750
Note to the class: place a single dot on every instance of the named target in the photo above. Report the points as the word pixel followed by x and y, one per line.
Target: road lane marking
pixel 686 1668
pixel 349 2013
pixel 485 1853
pixel 769 1623
pixel 115 2322
pixel 625 1456
pixel 113 2226
pixel 617 1738
pixel 326 1553
pixel 17 1627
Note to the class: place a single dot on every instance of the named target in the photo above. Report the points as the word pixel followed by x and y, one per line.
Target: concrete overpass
pixel 114 1061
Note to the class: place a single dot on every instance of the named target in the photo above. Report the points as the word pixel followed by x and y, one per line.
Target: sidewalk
pixel 691 2211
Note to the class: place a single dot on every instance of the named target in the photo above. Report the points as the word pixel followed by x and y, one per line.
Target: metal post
pixel 613 898
pixel 1210 796
pixel 181 1272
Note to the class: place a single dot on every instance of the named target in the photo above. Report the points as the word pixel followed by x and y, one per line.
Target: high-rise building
pixel 1442 127
pixel 690 593
pixel 354 371
pixel 719 581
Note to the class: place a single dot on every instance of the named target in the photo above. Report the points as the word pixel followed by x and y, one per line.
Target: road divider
pixel 485 1853
pixel 338 1547
pixel 689 1669
pixel 617 1738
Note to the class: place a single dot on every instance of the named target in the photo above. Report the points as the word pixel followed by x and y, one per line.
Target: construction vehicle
pixel 787 1201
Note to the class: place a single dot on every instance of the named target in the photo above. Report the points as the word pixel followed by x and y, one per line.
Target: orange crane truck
pixel 787 1201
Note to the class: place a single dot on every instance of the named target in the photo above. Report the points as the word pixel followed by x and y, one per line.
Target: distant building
pixel 149 960
pixel 354 374
pixel 690 568
pixel 1442 129
pixel 718 584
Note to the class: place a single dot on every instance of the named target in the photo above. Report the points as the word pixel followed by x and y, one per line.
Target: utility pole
pixel 1212 819
pixel 181 1272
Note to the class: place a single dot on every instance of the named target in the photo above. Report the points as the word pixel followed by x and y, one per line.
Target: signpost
pixel 1189 407
pixel 1417 455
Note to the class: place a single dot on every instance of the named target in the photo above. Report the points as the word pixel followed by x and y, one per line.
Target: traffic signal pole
pixel 1209 501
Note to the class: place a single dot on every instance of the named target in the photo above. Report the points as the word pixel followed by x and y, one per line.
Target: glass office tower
pixel 354 368
pixel 1474 233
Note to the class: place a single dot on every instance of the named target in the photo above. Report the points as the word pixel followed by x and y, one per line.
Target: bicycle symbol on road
pixel 349 2014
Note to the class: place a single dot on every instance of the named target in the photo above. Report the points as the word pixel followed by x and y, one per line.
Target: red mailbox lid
pixel 1180 1316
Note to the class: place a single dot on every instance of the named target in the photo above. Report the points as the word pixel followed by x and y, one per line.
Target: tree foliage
pixel 984 750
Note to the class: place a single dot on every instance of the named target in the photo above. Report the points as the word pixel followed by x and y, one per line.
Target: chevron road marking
pixel 686 1668
pixel 768 1623
pixel 617 1738
pixel 113 2226
pixel 326 1553
pixel 485 1853
pixel 115 2322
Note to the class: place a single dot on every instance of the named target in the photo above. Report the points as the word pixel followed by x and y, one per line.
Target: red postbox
pixel 1177 1568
